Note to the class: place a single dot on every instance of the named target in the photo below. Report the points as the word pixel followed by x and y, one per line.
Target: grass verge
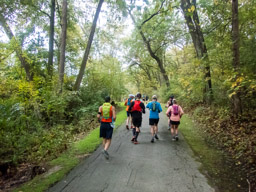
pixel 215 164
pixel 68 160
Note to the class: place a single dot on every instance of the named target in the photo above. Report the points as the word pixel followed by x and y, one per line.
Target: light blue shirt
pixel 154 114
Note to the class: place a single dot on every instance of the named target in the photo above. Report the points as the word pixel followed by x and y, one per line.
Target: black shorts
pixel 174 122
pixel 106 130
pixel 128 113
pixel 153 121
pixel 136 118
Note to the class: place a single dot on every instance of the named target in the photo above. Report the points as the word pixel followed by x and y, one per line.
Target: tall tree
pixel 88 47
pixel 192 20
pixel 18 48
pixel 51 39
pixel 148 45
pixel 237 107
pixel 63 43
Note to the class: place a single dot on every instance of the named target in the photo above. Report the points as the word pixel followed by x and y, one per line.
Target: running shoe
pixel 177 138
pixel 135 142
pixel 105 153
pixel 173 138
pixel 152 140
pixel 156 136
pixel 127 127
pixel 132 139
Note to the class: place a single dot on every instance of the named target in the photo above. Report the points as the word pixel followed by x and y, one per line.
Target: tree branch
pixel 156 13
pixel 41 10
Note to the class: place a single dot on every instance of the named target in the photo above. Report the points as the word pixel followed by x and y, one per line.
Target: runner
pixel 127 104
pixel 155 108
pixel 176 114
pixel 106 115
pixel 146 99
pixel 137 108
pixel 168 104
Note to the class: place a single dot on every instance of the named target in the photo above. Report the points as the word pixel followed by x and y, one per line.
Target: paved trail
pixel 163 166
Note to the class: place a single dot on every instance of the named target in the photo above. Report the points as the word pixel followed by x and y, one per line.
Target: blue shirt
pixel 154 114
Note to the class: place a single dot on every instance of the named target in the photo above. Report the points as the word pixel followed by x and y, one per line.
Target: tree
pixel 237 107
pixel 18 47
pixel 51 39
pixel 153 53
pixel 88 47
pixel 63 43
pixel 193 24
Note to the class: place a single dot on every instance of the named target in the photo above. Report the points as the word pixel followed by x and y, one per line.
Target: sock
pixel 133 131
pixel 137 134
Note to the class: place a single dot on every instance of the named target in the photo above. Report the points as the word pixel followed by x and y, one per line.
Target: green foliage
pixel 70 158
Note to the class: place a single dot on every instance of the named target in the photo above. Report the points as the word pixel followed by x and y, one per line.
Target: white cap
pixel 154 97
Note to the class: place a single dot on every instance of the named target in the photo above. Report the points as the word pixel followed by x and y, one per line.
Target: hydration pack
pixel 136 106
pixel 106 110
pixel 153 106
pixel 129 101
pixel 175 109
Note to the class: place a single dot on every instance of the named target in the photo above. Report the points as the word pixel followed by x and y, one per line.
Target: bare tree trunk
pixel 88 47
pixel 63 43
pixel 195 31
pixel 237 106
pixel 51 40
pixel 18 48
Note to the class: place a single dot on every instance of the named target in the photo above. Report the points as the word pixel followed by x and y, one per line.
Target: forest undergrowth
pixel 235 136
pixel 28 158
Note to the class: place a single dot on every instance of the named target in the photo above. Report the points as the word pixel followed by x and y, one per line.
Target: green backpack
pixel 106 110
pixel 154 108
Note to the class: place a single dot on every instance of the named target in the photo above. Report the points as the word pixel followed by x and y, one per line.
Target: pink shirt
pixel 174 117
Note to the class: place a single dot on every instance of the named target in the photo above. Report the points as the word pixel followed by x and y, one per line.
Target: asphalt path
pixel 163 166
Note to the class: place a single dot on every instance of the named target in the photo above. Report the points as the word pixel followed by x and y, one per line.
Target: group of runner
pixel 134 108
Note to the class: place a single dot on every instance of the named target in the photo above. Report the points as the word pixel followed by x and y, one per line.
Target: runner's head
pixel 154 97
pixel 107 99
pixel 174 101
pixel 131 96
pixel 138 95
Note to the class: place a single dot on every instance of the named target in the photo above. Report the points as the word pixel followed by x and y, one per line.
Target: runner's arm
pixel 160 108
pixel 142 107
pixel 114 113
pixel 99 113
pixel 168 111
pixel 181 111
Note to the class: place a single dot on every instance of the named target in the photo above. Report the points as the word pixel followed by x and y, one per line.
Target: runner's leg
pixel 152 133
pixel 107 144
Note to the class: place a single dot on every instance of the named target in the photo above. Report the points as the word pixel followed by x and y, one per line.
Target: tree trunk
pixel 157 59
pixel 152 54
pixel 88 47
pixel 51 40
pixel 63 43
pixel 195 31
pixel 147 71
pixel 237 106
pixel 18 48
